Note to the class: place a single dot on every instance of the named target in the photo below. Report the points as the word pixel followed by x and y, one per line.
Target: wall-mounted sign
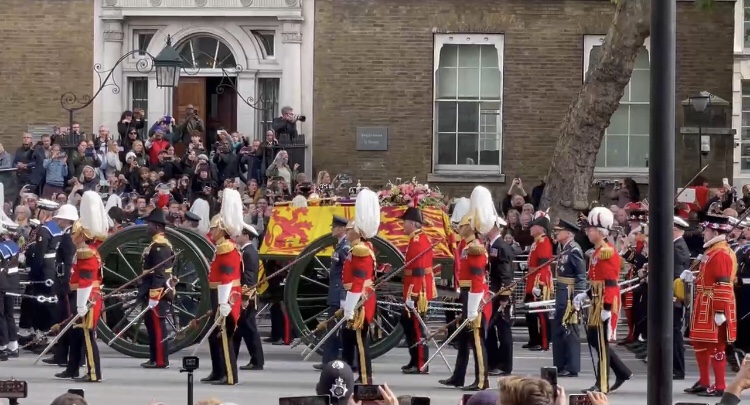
pixel 372 138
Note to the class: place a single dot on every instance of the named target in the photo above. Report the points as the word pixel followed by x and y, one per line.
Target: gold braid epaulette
pixel 476 249
pixel 606 253
pixel 161 240
pixel 225 247
pixel 361 250
pixel 85 253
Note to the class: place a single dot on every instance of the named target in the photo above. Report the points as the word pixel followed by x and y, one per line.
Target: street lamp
pixel 168 65
pixel 700 101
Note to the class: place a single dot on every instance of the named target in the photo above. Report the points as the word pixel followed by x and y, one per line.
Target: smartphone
pixel 420 401
pixel 76 391
pixel 549 374
pixel 579 399
pixel 368 392
pixel 465 399
pixel 725 181
pixel 309 400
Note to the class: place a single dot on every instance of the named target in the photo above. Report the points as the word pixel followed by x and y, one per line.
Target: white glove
pixel 21 258
pixel 342 303
pixel 578 300
pixel 606 315
pixel 536 291
pixel 641 273
pixel 82 311
pixel 409 304
pixel 719 319
pixel 348 315
pixel 153 303
pixel 474 300
pixel 687 276
pixel 225 310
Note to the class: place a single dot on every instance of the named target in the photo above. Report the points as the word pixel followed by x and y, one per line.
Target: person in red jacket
pixel 713 321
pixel 539 285
pixel 86 278
pixel 604 293
pixel 473 284
pixel 418 289
pixel 226 289
pixel 358 274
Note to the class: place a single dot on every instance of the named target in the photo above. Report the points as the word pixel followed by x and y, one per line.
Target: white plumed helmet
pixel 367 213
pixel 68 212
pixel 460 209
pixel 94 220
pixel 231 212
pixel 601 217
pixel 482 210
pixel 299 202
pixel 113 201
pixel 201 209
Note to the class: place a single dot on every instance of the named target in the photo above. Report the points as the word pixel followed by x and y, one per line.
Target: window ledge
pixel 640 177
pixel 465 177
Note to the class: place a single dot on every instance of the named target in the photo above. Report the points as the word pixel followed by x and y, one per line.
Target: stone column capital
pixel 113 31
pixel 291 32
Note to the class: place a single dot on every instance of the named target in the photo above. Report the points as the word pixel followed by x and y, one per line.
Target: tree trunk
pixel 582 130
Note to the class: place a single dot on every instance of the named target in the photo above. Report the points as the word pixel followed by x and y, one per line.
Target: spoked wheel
pixel 306 293
pixel 122 257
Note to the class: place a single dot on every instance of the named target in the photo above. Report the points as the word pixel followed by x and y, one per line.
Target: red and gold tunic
pixel 359 270
pixel 226 268
pixel 472 275
pixel 714 294
pixel 457 263
pixel 418 277
pixel 604 272
pixel 629 256
pixel 541 252
pixel 87 272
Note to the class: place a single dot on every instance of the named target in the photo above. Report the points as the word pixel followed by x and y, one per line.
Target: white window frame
pixel 467 39
pixel 745 5
pixel 136 33
pixel 589 41
pixel 740 141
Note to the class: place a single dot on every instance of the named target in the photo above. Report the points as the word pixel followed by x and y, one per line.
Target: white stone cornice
pixel 113 31
pixel 291 32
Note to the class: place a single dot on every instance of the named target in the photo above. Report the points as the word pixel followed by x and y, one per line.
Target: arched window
pixel 207 53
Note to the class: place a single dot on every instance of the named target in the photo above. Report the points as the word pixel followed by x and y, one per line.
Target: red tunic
pixel 541 252
pixel 359 270
pixel 227 269
pixel 87 272
pixel 604 272
pixel 457 263
pixel 627 298
pixel 418 275
pixel 714 294
pixel 473 266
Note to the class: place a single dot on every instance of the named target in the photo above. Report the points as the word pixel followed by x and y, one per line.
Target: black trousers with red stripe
pixel 281 328
pixel 539 327
pixel 414 332
pixel 158 352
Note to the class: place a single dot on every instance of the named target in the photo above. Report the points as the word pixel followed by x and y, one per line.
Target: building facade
pixel 741 93
pixel 474 91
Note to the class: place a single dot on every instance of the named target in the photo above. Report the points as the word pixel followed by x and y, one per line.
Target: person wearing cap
pixel 480 219
pixel 634 302
pixel 86 279
pixel 604 293
pixel 191 221
pixel 713 322
pixel 359 270
pixel 247 329
pixel 570 281
pixel 337 381
pixel 44 267
pixel 499 339
pixel 681 263
pixel 66 217
pixel 224 279
pixel 539 284
pixel 418 291
pixel 336 292
pixel 155 291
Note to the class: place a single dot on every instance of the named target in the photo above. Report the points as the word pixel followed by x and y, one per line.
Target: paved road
pixel 286 375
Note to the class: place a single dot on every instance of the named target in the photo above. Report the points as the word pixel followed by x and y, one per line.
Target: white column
pixel 158 104
pixel 246 115
pixel 291 83
pixel 111 103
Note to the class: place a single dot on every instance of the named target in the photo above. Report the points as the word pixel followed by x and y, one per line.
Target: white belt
pixel 50 255
pixel 13 270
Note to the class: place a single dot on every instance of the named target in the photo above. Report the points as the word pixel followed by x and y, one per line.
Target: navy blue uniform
pixel 681 263
pixel 44 267
pixel 247 328
pixel 157 260
pixel 336 295
pixel 66 300
pixel 570 281
pixel 499 339
pixel 8 283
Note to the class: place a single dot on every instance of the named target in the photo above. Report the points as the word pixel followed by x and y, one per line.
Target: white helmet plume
pixel 113 201
pixel 200 208
pixel 231 212
pixel 460 209
pixel 93 216
pixel 601 217
pixel 367 213
pixel 482 210
pixel 3 216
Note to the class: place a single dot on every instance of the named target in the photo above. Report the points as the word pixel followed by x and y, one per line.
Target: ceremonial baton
pixel 361 302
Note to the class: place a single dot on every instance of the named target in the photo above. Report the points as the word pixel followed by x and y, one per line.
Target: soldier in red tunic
pixel 713 321
pixel 226 289
pixel 634 302
pixel 419 289
pixel 539 285
pixel 359 271
pixel 472 281
pixel 604 293
pixel 86 278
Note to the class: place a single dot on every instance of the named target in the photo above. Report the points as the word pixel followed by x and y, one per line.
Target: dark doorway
pixel 221 104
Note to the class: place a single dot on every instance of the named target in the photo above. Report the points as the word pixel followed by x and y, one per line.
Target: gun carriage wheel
pixel 121 254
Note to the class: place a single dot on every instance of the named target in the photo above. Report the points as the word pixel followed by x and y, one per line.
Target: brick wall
pixel 48 50
pixel 374 61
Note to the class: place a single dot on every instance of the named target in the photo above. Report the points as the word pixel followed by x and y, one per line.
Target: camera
pixel 190 363
pixel 300 118
pixel 13 389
